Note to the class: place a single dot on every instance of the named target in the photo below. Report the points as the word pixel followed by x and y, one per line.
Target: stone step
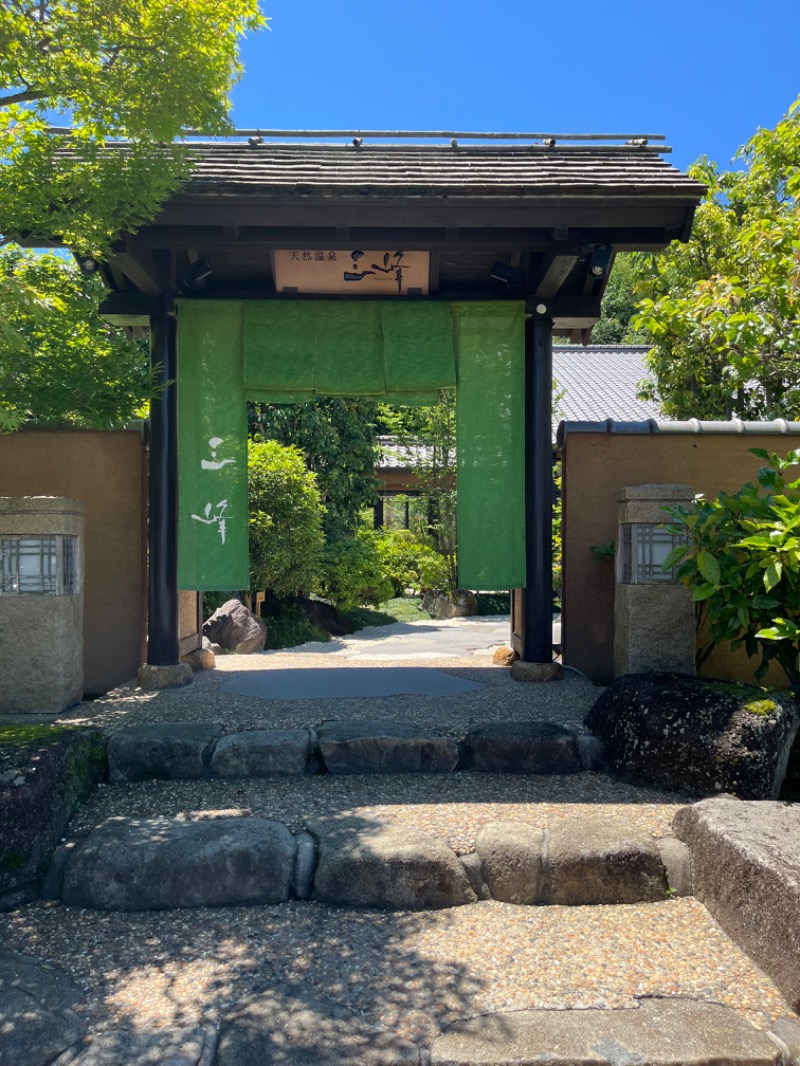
pixel 162 863
pixel 191 750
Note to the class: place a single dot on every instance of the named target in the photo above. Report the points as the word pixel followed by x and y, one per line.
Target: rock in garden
pixel 156 1046
pixel 460 604
pixel 367 865
pixel 504 657
pixel 521 748
pixel 164 750
pixel 746 870
pixel 594 861
pixel 200 659
pixel 695 735
pixel 383 748
pixel 37 1012
pixel 262 753
pixel 131 864
pixel 511 860
pixel 235 627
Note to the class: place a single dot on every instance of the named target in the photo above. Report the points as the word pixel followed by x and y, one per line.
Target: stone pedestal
pixel 41 632
pixel 654 618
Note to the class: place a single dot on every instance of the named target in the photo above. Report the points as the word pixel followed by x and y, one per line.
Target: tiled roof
pixel 600 382
pixel 402 169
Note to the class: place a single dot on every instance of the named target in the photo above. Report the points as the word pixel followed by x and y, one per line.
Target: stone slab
pixel 159 863
pixel 329 683
pixel 262 753
pixel 167 1046
pixel 595 861
pixel 383 748
pixel 746 870
pixel 660 1032
pixel 537 672
pixel 37 1012
pixel 511 859
pixel 521 748
pixel 392 869
pixel 152 678
pixel 164 750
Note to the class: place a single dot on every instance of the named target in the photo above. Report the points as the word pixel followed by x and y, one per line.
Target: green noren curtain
pixel 291 351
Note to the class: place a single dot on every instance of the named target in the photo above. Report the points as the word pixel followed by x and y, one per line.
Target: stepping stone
pixel 129 864
pixel 511 859
pixel 165 751
pixel 292 1026
pixel 591 861
pixel 660 1032
pixel 37 1012
pixel 383 748
pixel 163 1046
pixel 393 869
pixel 262 753
pixel 746 870
pixel 521 748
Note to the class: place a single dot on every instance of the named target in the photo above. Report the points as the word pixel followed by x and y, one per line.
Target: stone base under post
pixel 155 677
pixel 522 671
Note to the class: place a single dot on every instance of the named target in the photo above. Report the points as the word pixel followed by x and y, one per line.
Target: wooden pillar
pixel 163 645
pixel 537 644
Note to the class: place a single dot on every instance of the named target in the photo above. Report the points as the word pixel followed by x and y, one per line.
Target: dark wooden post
pixel 537 644
pixel 162 537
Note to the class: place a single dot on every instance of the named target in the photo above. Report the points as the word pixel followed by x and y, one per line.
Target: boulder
pixel 660 1032
pixel 235 627
pixel 37 1012
pixel 511 860
pixel 591 861
pixel 153 678
pixel 695 735
pixel 459 604
pixel 504 657
pixel 383 748
pixel 521 748
pixel 324 616
pixel 261 753
pixel 129 864
pixel 393 869
pixel 164 750
pixel 200 659
pixel 746 870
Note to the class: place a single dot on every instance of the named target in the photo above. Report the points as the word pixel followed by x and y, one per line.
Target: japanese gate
pixel 286 269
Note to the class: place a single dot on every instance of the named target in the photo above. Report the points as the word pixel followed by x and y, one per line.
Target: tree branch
pixel 21 97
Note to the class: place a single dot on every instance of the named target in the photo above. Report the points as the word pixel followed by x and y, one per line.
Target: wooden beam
pixel 567 312
pixel 130 308
pixel 551 273
pixel 137 264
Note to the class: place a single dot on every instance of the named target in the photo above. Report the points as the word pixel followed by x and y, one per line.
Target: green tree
pixel 619 304
pixel 286 537
pixel 722 312
pixel 338 439
pixel 141 70
pixel 68 368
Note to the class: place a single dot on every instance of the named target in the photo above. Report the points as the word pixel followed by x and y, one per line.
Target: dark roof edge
pixel 779 427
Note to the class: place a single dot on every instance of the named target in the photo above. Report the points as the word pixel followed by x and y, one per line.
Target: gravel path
pixel 411 974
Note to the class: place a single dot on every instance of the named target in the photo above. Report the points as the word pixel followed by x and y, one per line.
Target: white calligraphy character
pixel 213 463
pixel 215 518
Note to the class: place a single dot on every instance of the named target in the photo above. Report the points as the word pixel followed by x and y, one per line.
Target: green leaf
pixel 772 574
pixel 708 567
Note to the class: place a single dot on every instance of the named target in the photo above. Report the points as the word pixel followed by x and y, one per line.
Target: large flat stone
pixel 383 748
pixel 511 861
pixel 37 1012
pixel 262 753
pixel 521 748
pixel 165 751
pixel 666 1032
pixel 746 870
pixel 393 869
pixel 292 1026
pixel 131 864
pixel 146 1047
pixel 591 861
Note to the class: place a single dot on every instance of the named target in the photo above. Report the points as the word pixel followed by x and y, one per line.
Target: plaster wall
pixel 106 471
pixel 595 467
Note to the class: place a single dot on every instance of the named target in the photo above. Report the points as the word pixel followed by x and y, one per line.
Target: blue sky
pixel 706 73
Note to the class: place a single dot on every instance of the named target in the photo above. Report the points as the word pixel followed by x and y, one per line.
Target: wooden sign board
pixel 354 273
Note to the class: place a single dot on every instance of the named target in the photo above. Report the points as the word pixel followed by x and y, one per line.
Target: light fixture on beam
pixel 512 276
pixel 87 264
pixel 196 272
pixel 600 261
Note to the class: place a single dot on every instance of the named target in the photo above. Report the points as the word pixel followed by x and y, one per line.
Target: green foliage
pixel 742 562
pixel 285 520
pixel 409 562
pixel 339 441
pixel 619 305
pixel 352 574
pixel 723 311
pixel 138 69
pixel 69 368
pixel 290 628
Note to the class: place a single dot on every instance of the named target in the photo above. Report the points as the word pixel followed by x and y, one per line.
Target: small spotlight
pixel 254 142
pixel 195 273
pixel 510 275
pixel 358 141
pixel 87 264
pixel 600 261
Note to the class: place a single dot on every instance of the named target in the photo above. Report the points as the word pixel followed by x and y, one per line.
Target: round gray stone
pixel 511 859
pixel 262 753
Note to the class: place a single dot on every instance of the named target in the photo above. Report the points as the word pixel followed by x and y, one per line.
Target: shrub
pixel 742 561
pixel 409 563
pixel 352 573
pixel 285 520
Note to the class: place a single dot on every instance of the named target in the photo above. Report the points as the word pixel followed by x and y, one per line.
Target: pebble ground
pixel 408 973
